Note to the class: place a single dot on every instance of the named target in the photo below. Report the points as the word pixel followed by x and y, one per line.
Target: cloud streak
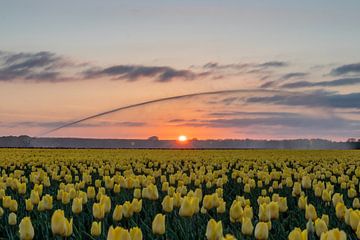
pixel 353 68
pixel 333 83
pixel 136 72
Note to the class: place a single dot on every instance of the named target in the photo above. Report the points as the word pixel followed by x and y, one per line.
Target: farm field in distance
pixel 179 194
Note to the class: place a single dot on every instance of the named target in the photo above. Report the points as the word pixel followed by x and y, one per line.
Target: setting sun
pixel 182 138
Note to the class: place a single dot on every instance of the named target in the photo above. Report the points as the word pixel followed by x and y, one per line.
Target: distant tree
pixel 153 138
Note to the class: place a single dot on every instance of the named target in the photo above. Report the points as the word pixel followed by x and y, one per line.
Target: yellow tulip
pixel 98 211
pixel 187 207
pixel 90 192
pixel 283 207
pixel 354 219
pixel 325 217
pixel 236 211
pixel 137 193
pixel 106 202
pixel 167 204
pixel 340 210
pixel 26 229
pixel 222 207
pixel 295 234
pixel 34 196
pixel 302 202
pixel 127 209
pixel 306 182
pixel 13 205
pixel 118 212
pixel 77 205
pixel 320 227
pixel 136 233
pixel 12 219
pixel 334 234
pixel 65 198
pixel 214 230
pixel 310 212
pixel 118 233
pixel 264 213
pixel 261 231
pixel 95 229
pixel 247 227
pixel 136 205
pixel 60 225
pixel 273 208
pixel 356 203
pixel 158 224
pixel 337 198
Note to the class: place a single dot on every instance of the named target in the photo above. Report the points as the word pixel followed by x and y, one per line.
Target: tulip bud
pixel 12 219
pixel 98 211
pixel 26 229
pixel 236 211
pixel 320 227
pixel 214 230
pixel 136 233
pixel 167 204
pixel 262 231
pixel 310 212
pixel 118 233
pixel 95 229
pixel 158 224
pixel 117 214
pixel 186 209
pixel 77 205
pixel 247 227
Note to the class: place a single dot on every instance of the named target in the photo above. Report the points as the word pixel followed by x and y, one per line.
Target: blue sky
pixel 171 40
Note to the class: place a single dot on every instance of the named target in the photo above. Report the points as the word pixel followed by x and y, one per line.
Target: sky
pixel 285 69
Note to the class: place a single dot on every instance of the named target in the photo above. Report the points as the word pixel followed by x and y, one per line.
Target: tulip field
pixel 179 194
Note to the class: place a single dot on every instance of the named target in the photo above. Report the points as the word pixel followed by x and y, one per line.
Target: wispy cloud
pixel 135 72
pixel 333 83
pixel 317 99
pixel 40 66
pixel 353 68
pixel 50 67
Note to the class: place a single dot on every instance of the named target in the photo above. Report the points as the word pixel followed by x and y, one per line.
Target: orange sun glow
pixel 182 138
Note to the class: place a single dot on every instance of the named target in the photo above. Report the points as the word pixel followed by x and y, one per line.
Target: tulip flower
pixel 106 202
pixel 34 196
pixel 187 207
pixel 354 219
pixel 247 227
pixel 236 211
pixel 340 210
pixel 261 231
pixel 334 234
pixel 167 204
pixel 320 227
pixel 98 211
pixel 77 205
pixel 295 234
pixel 12 219
pixel 127 209
pixel 95 229
pixel 273 208
pixel 118 233
pixel 264 213
pixel 60 225
pixel 117 214
pixel 90 192
pixel 26 229
pixel 214 230
pixel 158 224
pixel 136 233
pixel 310 212
pixel 136 205
pixel 302 202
